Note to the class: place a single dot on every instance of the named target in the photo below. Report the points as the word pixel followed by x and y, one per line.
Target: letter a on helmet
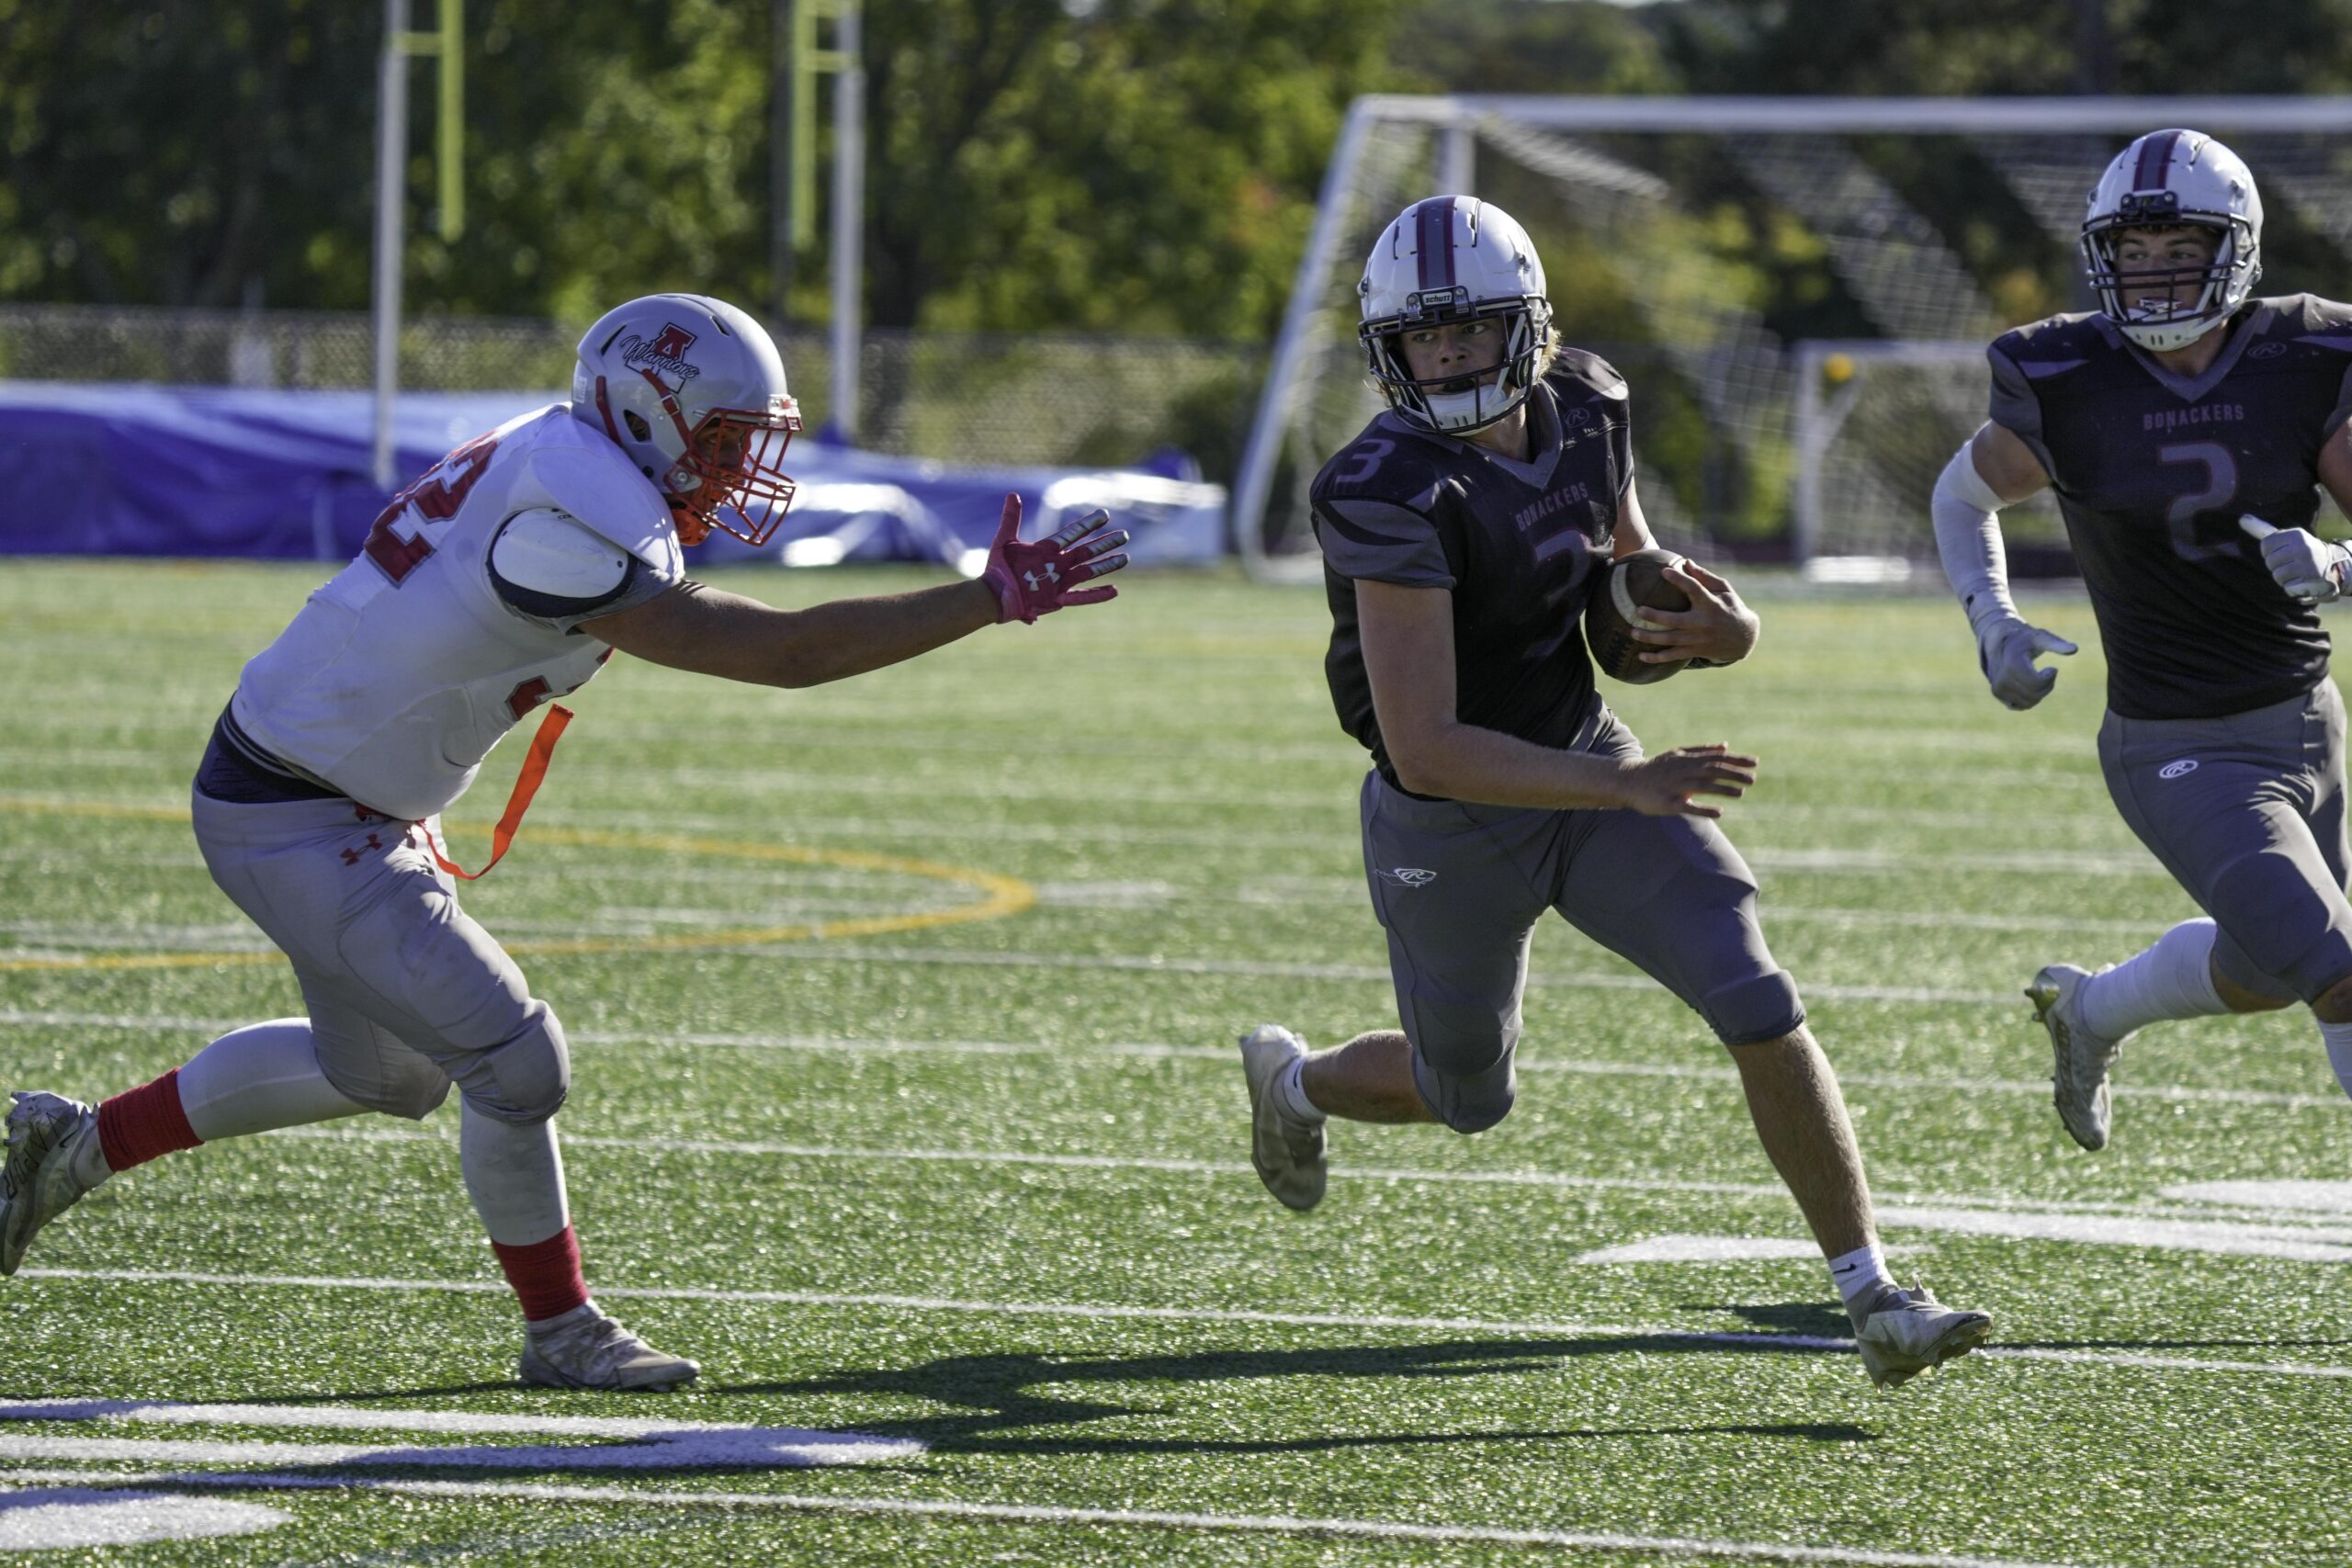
pixel 1453 258
pixel 693 390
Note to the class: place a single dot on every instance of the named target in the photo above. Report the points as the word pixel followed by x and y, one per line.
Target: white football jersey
pixel 400 673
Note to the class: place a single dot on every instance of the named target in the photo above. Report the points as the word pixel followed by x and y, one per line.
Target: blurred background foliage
pixel 1139 167
pixel 1130 165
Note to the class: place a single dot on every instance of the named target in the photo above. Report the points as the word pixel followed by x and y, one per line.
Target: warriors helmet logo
pixel 667 351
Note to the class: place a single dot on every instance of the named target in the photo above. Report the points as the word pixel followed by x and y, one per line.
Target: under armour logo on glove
pixel 1034 579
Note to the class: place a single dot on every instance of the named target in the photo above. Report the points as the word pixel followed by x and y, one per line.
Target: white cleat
pixel 38 1182
pixel 1288 1155
pixel 1904 1333
pixel 583 1348
pixel 2080 1059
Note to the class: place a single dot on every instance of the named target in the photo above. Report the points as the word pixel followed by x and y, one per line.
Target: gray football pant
pixel 2246 811
pixel 1460 886
pixel 406 992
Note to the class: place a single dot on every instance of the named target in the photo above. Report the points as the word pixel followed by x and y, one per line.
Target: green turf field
pixel 902 1013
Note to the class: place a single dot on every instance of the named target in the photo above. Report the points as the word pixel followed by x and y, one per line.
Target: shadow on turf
pixel 1812 1318
pixel 1002 1392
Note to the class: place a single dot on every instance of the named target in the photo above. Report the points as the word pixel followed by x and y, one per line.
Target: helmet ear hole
pixel 636 426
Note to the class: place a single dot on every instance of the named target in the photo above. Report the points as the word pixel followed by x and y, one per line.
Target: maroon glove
pixel 1036 578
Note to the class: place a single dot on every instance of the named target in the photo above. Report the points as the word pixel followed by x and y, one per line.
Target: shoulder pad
pixel 2307 317
pixel 594 481
pixel 1581 375
pixel 2073 336
pixel 1391 460
pixel 543 561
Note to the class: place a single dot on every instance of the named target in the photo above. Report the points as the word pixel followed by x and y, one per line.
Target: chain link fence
pixel 961 398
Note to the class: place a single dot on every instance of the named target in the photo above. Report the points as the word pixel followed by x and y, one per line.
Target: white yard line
pixel 1538 1329
pixel 353 1418
pixel 1016 1513
pixel 733 1447
pixel 1249 1524
pixel 2293 1224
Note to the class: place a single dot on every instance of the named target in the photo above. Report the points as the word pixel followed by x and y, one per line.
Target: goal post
pixel 1738 428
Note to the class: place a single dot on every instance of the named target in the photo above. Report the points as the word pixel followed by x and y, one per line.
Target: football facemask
pixel 1445 260
pixel 730 476
pixel 2174 179
pixel 1456 403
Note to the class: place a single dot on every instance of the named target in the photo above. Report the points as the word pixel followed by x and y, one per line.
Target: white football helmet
pixel 1453 258
pixel 2172 179
pixel 693 390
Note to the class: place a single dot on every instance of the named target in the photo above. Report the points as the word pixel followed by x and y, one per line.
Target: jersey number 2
pixel 436 497
pixel 2221 466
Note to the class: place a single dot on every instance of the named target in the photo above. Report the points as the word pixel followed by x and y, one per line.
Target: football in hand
pixel 1626 585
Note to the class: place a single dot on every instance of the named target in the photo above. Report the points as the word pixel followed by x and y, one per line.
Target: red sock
pixel 545 1275
pixel 144 1124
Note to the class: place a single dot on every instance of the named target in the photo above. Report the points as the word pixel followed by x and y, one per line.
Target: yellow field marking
pixel 1004 895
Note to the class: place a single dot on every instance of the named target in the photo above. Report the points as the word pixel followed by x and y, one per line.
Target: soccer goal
pixel 1799 289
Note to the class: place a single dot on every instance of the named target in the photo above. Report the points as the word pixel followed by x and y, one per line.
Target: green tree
pixel 180 153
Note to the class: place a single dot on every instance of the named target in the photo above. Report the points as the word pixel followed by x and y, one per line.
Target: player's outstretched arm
pixel 1408 654
pixel 712 631
pixel 1992 470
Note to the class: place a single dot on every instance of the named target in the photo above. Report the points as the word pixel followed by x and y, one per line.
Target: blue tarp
pixel 134 470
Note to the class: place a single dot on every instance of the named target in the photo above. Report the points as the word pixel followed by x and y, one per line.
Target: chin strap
pixel 526 784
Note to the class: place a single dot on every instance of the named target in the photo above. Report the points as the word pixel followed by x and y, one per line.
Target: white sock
pixel 2339 1051
pixel 1290 1093
pixel 259 1077
pixel 1859 1274
pixel 515 1175
pixel 2174 978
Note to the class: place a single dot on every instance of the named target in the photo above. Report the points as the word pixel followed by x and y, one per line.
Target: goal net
pixel 1800 290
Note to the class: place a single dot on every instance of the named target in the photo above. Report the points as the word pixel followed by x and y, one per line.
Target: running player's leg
pixel 252 1079
pixel 1454 887
pixel 419 967
pixel 2247 812
pixel 1673 896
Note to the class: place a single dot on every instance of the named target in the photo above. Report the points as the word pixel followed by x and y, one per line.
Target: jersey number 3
pixel 436 497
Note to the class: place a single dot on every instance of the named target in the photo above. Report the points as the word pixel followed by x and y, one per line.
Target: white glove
pixel 2309 568
pixel 2005 650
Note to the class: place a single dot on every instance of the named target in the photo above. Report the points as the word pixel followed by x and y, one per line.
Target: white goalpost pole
pixel 1264 448
pixel 849 219
pixel 391 143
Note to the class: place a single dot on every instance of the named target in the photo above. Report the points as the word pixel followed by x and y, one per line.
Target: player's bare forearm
pixel 1718 629
pixel 1465 762
pixel 712 631
pixel 1407 639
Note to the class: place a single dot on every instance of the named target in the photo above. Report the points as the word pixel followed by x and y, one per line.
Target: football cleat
pixel 2080 1058
pixel 584 1348
pixel 1288 1155
pixel 1903 1333
pixel 38 1182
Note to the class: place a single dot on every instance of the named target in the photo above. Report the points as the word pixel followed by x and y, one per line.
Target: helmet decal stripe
pixel 1433 240
pixel 2156 157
